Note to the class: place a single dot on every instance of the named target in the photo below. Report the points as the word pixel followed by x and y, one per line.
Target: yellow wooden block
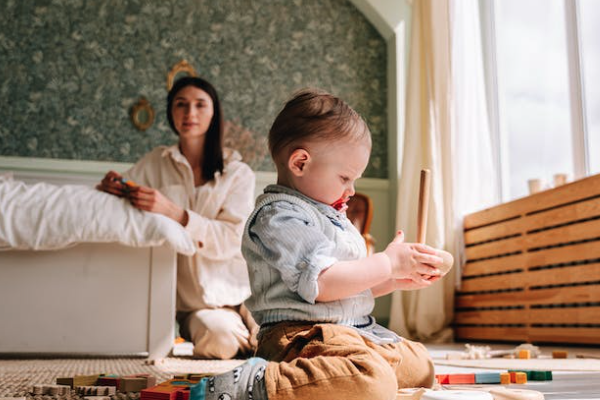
pixel 524 354
pixel 521 378
pixel 504 378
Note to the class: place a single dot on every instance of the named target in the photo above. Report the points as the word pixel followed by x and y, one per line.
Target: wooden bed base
pixel 533 269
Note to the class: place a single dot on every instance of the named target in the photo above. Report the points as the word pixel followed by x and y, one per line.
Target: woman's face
pixel 192 112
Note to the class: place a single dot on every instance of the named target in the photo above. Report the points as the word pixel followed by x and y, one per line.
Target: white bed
pixel 81 281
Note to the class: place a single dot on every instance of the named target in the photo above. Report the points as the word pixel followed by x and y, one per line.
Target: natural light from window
pixel 533 91
pixel 589 15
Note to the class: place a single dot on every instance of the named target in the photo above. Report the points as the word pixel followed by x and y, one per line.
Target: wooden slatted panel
pixel 493 317
pixel 563 295
pixel 533 268
pixel 567 275
pixel 566 315
pixel 533 335
pixel 515 334
pixel 493 283
pixel 504 264
pixel 561 255
pixel 572 192
pixel 565 335
pixel 527 223
pixel 554 316
pixel 494 249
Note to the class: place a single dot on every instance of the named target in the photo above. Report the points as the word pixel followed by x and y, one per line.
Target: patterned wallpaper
pixel 70 70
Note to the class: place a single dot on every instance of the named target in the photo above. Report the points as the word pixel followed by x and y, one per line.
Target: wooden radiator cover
pixel 533 269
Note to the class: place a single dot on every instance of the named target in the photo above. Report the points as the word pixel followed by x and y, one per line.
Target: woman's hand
pixel 149 199
pixel 111 183
pixel 412 262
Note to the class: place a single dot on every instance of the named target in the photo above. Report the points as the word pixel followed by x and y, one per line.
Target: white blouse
pixel 216 275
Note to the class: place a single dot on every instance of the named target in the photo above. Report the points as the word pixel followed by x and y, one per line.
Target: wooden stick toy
pixel 423 210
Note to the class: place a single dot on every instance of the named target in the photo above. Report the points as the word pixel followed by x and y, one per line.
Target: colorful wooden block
pixel 78 380
pixel 560 354
pixel 461 379
pixel 487 377
pixel 443 379
pixel 504 378
pixel 541 375
pixel 518 377
pixel 524 354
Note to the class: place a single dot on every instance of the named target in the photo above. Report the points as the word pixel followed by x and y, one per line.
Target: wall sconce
pixel 142 114
pixel 181 66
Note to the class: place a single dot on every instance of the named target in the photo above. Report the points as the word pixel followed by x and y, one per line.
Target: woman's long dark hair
pixel 212 161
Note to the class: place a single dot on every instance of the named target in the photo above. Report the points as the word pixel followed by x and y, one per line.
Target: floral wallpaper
pixel 70 70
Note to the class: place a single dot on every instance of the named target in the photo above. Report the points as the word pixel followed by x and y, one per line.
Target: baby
pixel 313 286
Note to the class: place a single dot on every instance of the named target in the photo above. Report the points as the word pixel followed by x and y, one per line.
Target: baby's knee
pixel 376 379
pixel 416 369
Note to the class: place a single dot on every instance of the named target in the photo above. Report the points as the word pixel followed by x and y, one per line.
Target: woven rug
pixel 18 376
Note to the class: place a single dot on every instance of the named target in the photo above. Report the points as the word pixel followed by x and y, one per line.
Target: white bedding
pixel 43 216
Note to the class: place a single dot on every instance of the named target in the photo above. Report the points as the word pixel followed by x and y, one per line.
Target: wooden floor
pixel 565 384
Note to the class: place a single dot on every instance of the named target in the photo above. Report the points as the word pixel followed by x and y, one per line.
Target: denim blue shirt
pixel 288 241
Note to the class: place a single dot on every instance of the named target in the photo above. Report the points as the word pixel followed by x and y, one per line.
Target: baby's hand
pixel 412 261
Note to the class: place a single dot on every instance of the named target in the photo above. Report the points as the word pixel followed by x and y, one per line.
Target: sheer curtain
pixel 446 131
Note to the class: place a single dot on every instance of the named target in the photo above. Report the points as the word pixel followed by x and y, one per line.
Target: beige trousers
pixel 219 333
pixel 330 362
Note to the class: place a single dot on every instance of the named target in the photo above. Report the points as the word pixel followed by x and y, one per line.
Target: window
pixel 589 21
pixel 540 86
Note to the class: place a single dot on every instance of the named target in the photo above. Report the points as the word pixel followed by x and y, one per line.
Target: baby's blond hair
pixel 314 115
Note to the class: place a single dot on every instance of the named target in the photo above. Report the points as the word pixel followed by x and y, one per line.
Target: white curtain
pixel 446 131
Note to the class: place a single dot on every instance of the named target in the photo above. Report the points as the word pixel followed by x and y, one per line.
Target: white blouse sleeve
pixel 221 238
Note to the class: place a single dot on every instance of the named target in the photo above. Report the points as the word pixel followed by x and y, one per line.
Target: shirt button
pixel 302 265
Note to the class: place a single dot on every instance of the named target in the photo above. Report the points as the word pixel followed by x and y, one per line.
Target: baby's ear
pixel 298 160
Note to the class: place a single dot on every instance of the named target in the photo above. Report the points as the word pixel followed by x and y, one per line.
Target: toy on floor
pixel 474 352
pixel 504 378
pixel 173 389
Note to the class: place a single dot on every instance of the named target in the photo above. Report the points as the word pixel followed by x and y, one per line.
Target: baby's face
pixel 334 168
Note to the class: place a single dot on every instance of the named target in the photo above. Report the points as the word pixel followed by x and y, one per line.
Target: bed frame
pixel 533 269
pixel 91 299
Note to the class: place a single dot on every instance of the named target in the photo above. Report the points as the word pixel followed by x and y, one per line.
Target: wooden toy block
pixel 524 354
pixel 560 354
pixel 460 379
pixel 183 394
pixel 518 377
pixel 541 376
pixel 132 384
pixel 148 381
pixel 168 390
pixel 487 377
pixel 78 380
pixel 108 380
pixel 504 378
pixel 528 373
pixel 443 379
pixel 53 390
pixel 96 390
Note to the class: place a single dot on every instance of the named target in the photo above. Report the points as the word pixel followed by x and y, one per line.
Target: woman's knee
pixel 218 334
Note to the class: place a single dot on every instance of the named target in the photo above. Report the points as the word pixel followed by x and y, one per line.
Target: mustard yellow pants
pixel 330 362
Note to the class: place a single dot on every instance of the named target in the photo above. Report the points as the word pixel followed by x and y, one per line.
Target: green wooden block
pixel 541 375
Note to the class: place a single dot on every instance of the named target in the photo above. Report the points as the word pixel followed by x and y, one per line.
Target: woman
pixel 208 190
